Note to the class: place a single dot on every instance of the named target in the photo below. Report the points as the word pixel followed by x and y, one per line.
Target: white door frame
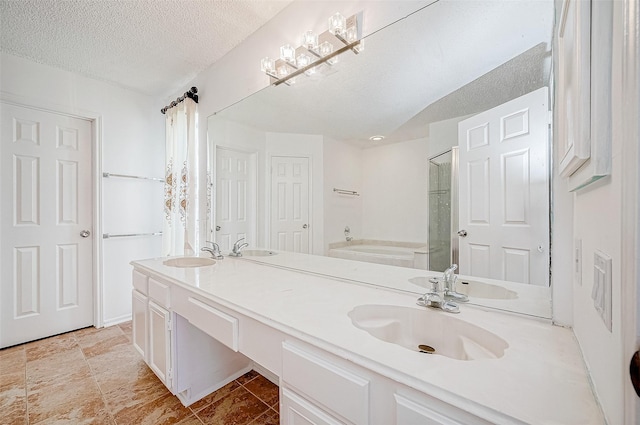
pixel 268 196
pixel 630 267
pixel 96 184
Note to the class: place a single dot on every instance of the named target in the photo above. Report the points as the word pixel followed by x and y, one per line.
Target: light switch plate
pixel 601 293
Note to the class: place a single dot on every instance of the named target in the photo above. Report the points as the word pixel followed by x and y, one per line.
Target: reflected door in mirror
pixel 504 198
pixel 235 197
pixel 290 212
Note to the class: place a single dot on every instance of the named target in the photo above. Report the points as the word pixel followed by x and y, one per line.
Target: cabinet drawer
pixel 140 282
pixel 432 412
pixel 332 386
pixel 298 411
pixel 214 322
pixel 159 292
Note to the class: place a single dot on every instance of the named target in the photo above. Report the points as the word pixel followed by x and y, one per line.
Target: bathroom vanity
pixel 346 353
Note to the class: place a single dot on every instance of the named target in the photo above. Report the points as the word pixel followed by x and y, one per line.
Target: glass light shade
pixel 282 71
pixel 326 48
pixel 268 66
pixel 337 24
pixel 304 60
pixel 352 34
pixel 310 40
pixel 287 53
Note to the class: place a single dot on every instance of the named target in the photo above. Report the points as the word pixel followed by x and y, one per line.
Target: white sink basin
pixel 189 262
pixel 413 327
pixel 473 289
pixel 257 253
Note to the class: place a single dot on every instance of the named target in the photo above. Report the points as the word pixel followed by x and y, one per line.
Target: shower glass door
pixel 441 183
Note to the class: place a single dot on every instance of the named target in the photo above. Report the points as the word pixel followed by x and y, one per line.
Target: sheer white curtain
pixel 182 200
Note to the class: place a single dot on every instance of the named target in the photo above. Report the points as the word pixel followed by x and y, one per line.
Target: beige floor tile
pixel 264 389
pixel 270 417
pixel 45 347
pixel 164 410
pixel 239 407
pixel 63 367
pixel 12 360
pixel 119 356
pixel 214 396
pixel 64 402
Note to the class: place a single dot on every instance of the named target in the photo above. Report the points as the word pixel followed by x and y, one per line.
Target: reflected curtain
pixel 181 191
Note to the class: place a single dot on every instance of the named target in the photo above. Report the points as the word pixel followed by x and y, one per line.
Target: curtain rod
pixel 191 93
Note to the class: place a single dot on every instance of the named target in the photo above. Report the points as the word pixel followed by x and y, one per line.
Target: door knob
pixel 304 226
pixel 85 233
pixel 462 233
pixel 217 228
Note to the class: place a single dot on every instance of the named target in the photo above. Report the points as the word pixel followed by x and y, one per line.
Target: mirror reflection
pixel 461 173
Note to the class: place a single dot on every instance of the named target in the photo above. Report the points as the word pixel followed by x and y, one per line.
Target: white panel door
pixel 235 198
pixel 504 191
pixel 45 262
pixel 290 220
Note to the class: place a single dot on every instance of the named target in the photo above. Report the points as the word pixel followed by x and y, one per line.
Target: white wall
pixel 597 222
pixel 342 170
pixel 132 143
pixel 397 175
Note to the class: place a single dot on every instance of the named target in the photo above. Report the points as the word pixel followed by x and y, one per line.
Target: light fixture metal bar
pixel 320 61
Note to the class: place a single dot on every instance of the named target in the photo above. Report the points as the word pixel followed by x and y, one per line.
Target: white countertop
pixel 541 379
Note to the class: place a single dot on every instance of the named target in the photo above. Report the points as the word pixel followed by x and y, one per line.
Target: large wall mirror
pixel 460 92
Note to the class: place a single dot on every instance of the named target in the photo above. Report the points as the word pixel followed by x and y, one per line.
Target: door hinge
pixel 550 117
pixel 170 374
pixel 169 324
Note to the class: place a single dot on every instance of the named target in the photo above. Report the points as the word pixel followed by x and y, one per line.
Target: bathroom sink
pixel 428 331
pixel 472 289
pixel 257 253
pixel 189 262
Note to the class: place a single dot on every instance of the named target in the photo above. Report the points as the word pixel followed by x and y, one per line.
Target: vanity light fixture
pixel 315 50
pixel 376 138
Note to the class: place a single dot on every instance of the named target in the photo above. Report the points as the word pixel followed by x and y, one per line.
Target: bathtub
pixel 382 254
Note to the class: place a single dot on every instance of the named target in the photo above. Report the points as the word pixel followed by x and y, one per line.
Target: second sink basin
pixel 189 262
pixel 473 289
pixel 426 330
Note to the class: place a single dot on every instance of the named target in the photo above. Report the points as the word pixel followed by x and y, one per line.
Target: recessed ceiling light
pixel 376 138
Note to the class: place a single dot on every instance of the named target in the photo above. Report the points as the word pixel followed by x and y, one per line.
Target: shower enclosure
pixel 443 209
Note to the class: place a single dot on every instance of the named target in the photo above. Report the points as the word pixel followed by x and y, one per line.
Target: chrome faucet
pixel 236 251
pixel 436 298
pixel 449 279
pixel 214 250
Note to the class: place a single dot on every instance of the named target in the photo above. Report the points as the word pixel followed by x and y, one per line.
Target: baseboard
pixel 267 374
pixel 116 320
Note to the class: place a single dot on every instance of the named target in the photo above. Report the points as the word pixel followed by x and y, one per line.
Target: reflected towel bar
pixel 107 175
pixel 109 235
pixel 346 192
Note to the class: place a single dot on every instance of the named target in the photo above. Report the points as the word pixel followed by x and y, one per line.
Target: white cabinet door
pixel 160 342
pixel 139 323
pixel 298 411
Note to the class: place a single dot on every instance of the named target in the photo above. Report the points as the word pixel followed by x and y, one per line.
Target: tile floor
pixel 94 376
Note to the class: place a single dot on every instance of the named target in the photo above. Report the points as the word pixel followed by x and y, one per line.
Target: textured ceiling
pixel 152 46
